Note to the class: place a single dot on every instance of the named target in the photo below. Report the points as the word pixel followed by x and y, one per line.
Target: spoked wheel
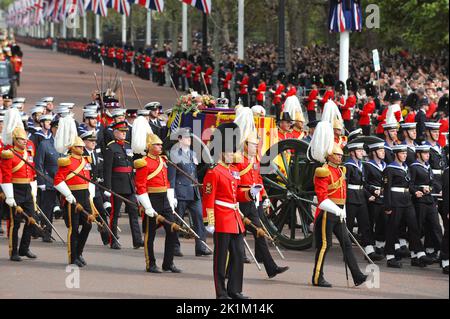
pixel 288 179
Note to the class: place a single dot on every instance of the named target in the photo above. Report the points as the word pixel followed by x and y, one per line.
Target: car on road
pixel 8 83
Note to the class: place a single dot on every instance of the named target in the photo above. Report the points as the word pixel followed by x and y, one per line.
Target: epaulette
pixel 110 143
pixel 322 172
pixel 344 170
pixel 64 161
pixel 7 154
pixel 88 159
pixel 139 163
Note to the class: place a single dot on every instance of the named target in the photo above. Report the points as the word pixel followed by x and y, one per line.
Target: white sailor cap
pixel 90 107
pixel 152 106
pixel 48 99
pixel 2 118
pixel 46 117
pixel 43 104
pixel 2 112
pixel 90 114
pixel 376 146
pixel 400 148
pixel 88 135
pixel 422 148
pixel 408 126
pixel 69 105
pixel 19 100
pixel 117 112
pixel 62 110
pixel 355 133
pixel 143 112
pixel 433 125
pixel 17 105
pixel 390 126
pixel 24 116
pixel 355 146
pixel 37 109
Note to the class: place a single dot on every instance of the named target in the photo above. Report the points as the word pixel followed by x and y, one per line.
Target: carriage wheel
pixel 288 179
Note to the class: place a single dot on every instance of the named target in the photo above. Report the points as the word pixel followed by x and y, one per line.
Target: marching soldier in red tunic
pixel 74 189
pixel 221 194
pixel 249 172
pixel 156 197
pixel 16 179
pixel 330 187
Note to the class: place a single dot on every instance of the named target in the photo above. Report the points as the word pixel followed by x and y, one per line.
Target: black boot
pixel 28 254
pixel 15 258
pixel 445 270
pixel 418 262
pixel 394 263
pixel 375 257
pixel 359 281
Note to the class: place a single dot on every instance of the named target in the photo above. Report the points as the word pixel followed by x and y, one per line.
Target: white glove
pixel 107 194
pixel 9 194
pixel 33 185
pixel 91 190
pixel 331 207
pixel 65 191
pixel 266 203
pixel 145 202
pixel 210 229
pixel 171 197
pixel 344 213
pixel 42 187
pixel 255 190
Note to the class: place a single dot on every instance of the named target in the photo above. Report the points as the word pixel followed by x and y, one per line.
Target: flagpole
pixel 97 27
pixel 344 53
pixel 241 30
pixel 205 35
pixel 124 28
pixel 185 27
pixel 85 26
pixel 64 29
pixel 148 32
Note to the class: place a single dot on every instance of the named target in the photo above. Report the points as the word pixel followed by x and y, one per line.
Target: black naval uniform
pixel 118 175
pixel 377 217
pixel 356 203
pixel 437 163
pixel 411 157
pixel 426 207
pixel 389 158
pixel 397 198
pixel 445 190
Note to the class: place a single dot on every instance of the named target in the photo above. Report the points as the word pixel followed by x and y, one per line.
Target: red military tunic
pixel 151 175
pixel 197 72
pixel 260 93
pixel 298 134
pixel 208 76
pixel 291 92
pixel 249 171
pixel 411 117
pixel 346 108
pixel 366 113
pixel 278 94
pixel 443 129
pixel 243 87
pixel 327 96
pixel 284 135
pixel 14 170
pixel 329 183
pixel 70 164
pixel 312 100
pixel 221 193
pixel 227 81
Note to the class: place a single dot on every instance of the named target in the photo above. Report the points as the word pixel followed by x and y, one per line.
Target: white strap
pixel 399 189
pixel 225 204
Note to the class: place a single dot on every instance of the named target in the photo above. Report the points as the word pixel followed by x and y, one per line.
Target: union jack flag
pixel 121 6
pixel 157 5
pixel 345 15
pixel 202 5
pixel 96 6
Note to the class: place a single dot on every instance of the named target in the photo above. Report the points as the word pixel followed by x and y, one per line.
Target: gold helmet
pixel 19 132
pixel 299 117
pixel 78 142
pixel 337 150
pixel 338 124
pixel 153 139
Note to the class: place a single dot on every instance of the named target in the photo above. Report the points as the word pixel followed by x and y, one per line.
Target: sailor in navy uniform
pixel 390 137
pixel 374 184
pixel 356 202
pixel 422 183
pixel 43 132
pixel 158 127
pixel 410 135
pixel 399 206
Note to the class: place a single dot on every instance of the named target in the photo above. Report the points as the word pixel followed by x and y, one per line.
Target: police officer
pixel 118 175
pixel 374 184
pixel 187 193
pixel 47 162
pixel 156 197
pixel 357 194
pixel 96 170
pixel 249 172
pixel 398 207
pixel 422 183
